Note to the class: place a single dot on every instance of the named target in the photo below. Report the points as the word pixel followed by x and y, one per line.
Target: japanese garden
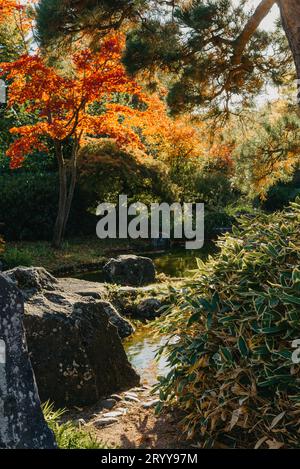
pixel 149 225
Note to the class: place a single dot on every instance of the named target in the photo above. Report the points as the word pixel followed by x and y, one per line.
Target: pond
pixel 181 262
pixel 177 262
pixel 141 349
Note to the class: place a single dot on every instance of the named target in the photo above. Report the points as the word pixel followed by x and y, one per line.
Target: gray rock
pixel 116 397
pixel 130 270
pixel 1 267
pixel 103 422
pixel 125 328
pixel 32 279
pixel 83 288
pixel 76 353
pixel 22 425
pixel 132 399
pixel 149 308
pixel 108 403
pixel 98 292
pixel 151 404
pixel 115 414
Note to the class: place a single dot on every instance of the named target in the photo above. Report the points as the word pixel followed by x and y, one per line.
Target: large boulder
pixel 32 279
pixel 130 271
pixel 125 328
pixel 75 348
pixel 22 425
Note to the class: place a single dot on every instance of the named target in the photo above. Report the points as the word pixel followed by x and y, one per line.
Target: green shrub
pixel 280 196
pixel 235 323
pixel 14 257
pixel 202 183
pixel 29 204
pixel 67 435
pixel 105 172
pixel 215 221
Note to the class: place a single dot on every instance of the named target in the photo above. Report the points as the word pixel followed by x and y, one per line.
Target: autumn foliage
pixel 88 96
pixel 7 7
pixel 62 100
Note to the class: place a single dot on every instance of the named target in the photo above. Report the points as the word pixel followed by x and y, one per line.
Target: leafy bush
pixel 67 435
pixel 235 324
pixel 281 195
pixel 14 257
pixel 105 172
pixel 215 221
pixel 198 181
pixel 29 204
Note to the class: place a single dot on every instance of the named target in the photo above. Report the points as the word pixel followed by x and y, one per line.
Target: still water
pixel 174 263
pixel 142 347
pixel 180 262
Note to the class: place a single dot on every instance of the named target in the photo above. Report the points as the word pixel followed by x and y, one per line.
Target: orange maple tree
pixel 7 7
pixel 63 103
pixel 16 14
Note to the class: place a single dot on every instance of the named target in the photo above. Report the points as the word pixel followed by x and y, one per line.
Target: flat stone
pixel 116 397
pixel 131 394
pixel 109 403
pixel 151 404
pixel 115 414
pixel 104 422
pixel 132 399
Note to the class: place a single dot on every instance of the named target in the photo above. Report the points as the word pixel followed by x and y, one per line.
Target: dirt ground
pixel 138 428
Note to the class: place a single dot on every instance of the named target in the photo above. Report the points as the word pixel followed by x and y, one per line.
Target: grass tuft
pixel 67 434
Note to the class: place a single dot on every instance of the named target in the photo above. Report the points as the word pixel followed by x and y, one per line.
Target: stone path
pixel 128 421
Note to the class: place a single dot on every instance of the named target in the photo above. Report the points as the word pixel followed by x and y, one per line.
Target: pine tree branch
pixel 241 42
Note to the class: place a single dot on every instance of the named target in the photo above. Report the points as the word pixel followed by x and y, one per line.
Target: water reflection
pixel 181 262
pixel 142 351
pixel 175 263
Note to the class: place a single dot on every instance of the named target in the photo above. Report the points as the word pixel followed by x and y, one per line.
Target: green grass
pixel 75 252
pixel 67 435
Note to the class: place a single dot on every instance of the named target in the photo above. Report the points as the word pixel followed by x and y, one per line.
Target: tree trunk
pixel 65 194
pixel 73 177
pixel 290 16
